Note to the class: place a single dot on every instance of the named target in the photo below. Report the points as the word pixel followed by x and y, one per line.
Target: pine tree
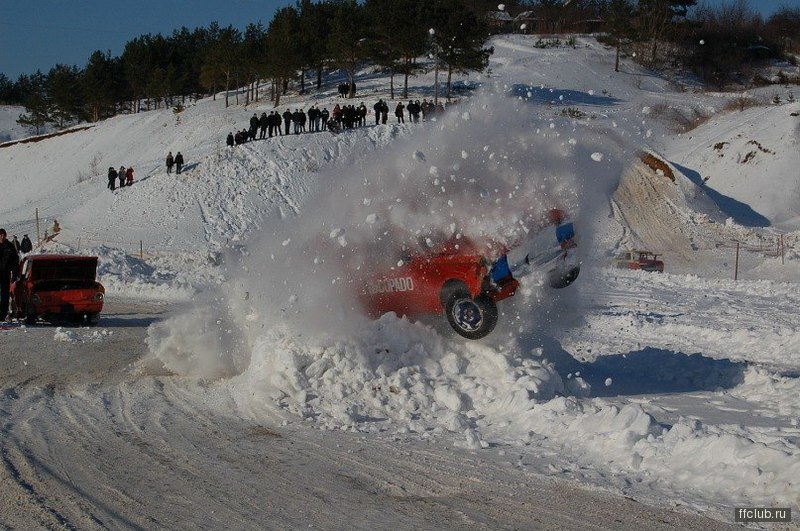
pixel 282 55
pixel 64 95
pixel 36 103
pixel 618 16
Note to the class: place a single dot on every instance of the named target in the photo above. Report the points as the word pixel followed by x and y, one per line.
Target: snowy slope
pixel 678 389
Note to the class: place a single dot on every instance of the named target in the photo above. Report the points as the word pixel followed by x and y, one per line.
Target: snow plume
pixel 472 173
pixel 200 341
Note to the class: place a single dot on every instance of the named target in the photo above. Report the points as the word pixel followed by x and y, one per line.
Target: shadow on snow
pixel 740 212
pixel 648 371
pixel 561 97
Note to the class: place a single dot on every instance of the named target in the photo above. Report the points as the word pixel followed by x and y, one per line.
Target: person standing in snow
pixel 25 246
pixel 121 175
pixel 229 140
pixel 377 108
pixel 178 163
pixel 170 162
pixel 324 114
pixel 112 178
pixel 15 242
pixel 263 123
pixel 129 176
pixel 398 111
pixel 287 121
pixel 9 263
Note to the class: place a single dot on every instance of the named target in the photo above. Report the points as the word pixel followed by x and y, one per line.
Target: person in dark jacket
pixel 25 246
pixel 178 163
pixel 263 123
pixel 229 140
pixel 287 121
pixel 384 112
pixel 170 162
pixel 112 178
pixel 398 111
pixel 9 265
pixel 324 114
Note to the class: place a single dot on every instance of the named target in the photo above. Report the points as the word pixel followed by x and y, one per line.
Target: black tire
pixel 30 318
pixel 471 318
pixel 91 319
pixel 559 278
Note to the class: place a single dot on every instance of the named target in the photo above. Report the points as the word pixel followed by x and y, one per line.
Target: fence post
pixel 141 250
pixel 736 266
pixel 38 237
pixel 782 262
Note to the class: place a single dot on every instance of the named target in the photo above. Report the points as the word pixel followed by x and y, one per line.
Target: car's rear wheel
pixel 471 318
pixel 91 319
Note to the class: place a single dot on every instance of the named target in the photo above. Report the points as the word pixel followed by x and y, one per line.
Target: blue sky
pixel 37 34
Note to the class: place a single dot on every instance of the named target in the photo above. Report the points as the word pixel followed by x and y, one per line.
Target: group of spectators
pixel 9 262
pixel 176 161
pixel 125 176
pixel 342 116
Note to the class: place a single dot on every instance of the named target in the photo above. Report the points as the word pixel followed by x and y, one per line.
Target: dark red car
pixel 644 260
pixel 456 278
pixel 55 286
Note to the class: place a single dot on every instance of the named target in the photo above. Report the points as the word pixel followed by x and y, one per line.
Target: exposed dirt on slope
pixel 645 205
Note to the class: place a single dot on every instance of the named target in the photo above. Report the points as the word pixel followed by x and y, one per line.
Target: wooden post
pixel 38 237
pixel 782 262
pixel 79 244
pixel 141 250
pixel 736 266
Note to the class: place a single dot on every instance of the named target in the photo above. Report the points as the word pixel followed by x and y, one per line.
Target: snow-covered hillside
pixel 679 389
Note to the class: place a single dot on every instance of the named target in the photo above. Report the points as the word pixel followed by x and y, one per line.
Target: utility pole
pixel 432 33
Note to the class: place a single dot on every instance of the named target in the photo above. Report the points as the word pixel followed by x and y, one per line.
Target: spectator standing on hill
pixel 398 111
pixel 178 163
pixel 112 178
pixel 170 162
pixel 324 114
pixel 263 122
pixel 15 242
pixel 25 246
pixel 229 140
pixel 377 108
pixel 362 115
pixel 129 176
pixel 287 121
pixel 121 175
pixel 384 113
pixel 9 263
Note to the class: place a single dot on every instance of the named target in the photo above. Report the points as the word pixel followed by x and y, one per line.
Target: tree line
pixel 304 40
pixel 721 44
pixel 300 43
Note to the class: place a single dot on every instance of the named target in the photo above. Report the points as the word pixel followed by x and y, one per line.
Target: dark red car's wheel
pixel 471 318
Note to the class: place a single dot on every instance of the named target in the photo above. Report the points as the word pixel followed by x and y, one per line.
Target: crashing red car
pixel 456 278
pixel 57 287
pixel 644 260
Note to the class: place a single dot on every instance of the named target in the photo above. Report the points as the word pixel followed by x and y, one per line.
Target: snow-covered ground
pixel 677 389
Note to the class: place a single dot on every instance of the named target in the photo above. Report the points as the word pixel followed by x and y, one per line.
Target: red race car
pixel 644 260
pixel 55 286
pixel 456 278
